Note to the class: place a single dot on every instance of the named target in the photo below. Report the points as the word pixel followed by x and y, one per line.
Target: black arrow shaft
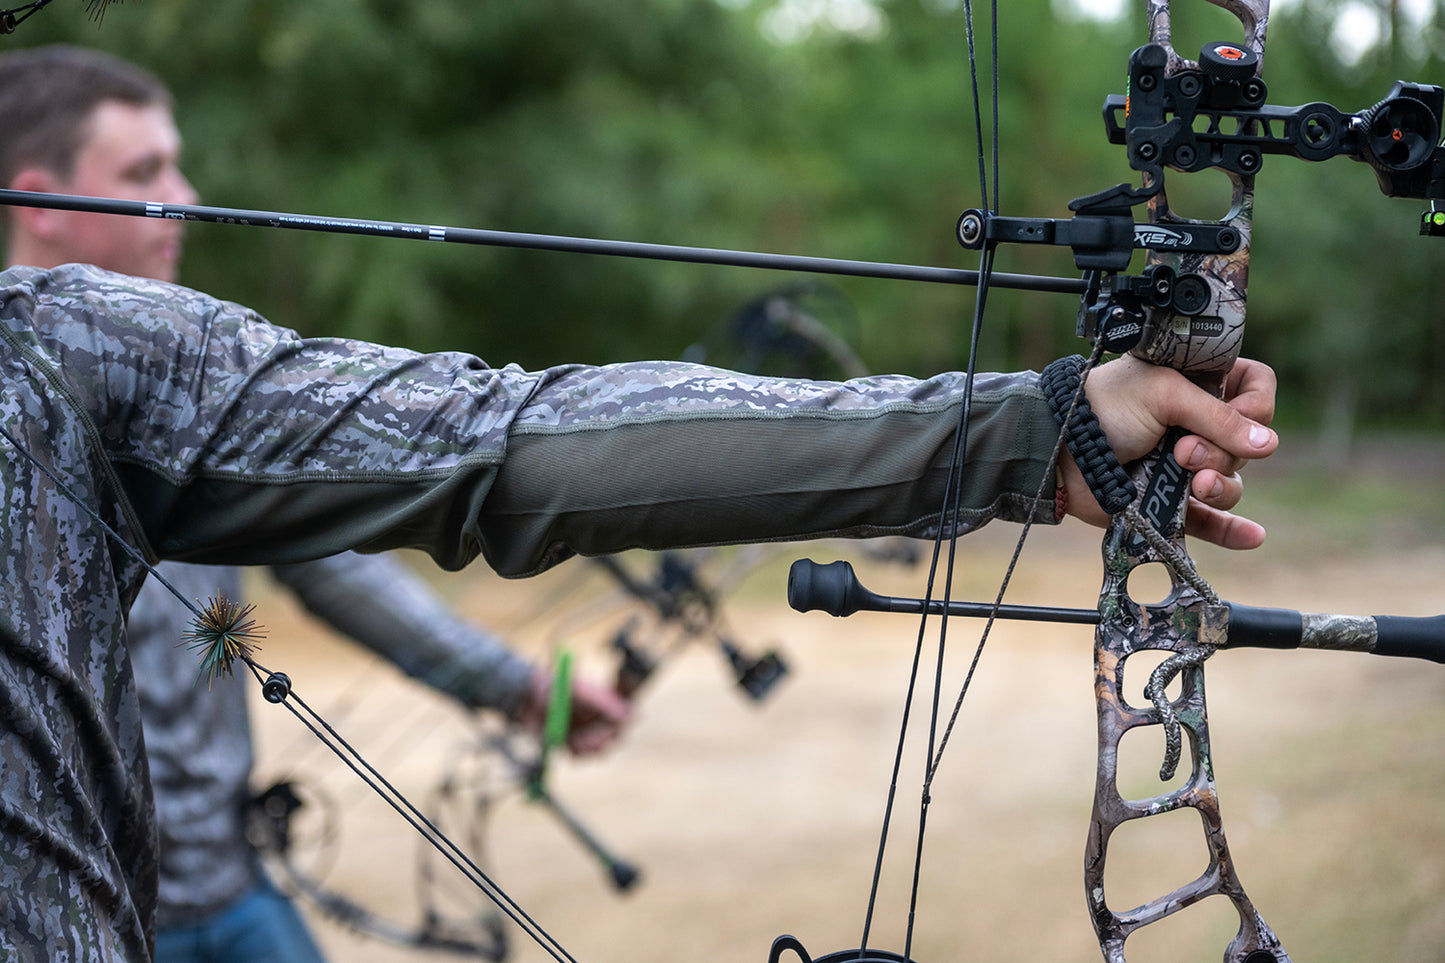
pixel 539 242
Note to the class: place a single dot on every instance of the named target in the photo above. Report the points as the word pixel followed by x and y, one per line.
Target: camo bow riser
pixel 1203 346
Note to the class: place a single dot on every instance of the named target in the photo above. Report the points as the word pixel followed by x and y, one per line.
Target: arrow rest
pixel 1114 309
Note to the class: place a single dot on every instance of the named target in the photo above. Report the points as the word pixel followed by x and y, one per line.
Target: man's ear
pixel 38 221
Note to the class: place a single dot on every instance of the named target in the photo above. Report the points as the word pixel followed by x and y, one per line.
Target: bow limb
pixel 1190 623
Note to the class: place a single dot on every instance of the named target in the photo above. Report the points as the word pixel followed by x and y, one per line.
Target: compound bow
pixel 1185 310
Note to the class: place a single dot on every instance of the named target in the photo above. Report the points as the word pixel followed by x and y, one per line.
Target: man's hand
pixel 598 713
pixel 1136 402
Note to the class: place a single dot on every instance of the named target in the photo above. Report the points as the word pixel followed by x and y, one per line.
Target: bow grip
pixel 1204 346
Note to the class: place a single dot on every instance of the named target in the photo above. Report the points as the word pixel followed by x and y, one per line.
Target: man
pixel 197 431
pixel 86 123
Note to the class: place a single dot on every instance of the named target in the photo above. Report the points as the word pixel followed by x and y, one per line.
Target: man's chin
pixel 161 269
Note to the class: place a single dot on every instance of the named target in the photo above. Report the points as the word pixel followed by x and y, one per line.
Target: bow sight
pixel 1213 117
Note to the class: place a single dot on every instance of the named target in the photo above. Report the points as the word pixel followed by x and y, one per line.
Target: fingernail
pixel 1196 456
pixel 1259 436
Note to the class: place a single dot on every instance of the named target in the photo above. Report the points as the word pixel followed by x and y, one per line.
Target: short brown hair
pixel 48 93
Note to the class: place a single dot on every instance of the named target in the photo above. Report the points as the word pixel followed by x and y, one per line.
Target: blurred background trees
pixel 832 127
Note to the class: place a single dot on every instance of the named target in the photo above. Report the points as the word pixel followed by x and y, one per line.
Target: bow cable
pixel 952 504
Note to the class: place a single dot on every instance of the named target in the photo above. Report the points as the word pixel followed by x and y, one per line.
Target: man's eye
pixel 144 173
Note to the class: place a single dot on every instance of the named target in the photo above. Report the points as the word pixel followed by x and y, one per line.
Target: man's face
pixel 131 153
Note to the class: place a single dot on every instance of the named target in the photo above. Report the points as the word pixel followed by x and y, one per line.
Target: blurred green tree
pixel 840 128
pixel 637 119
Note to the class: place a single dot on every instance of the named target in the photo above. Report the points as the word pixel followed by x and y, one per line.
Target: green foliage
pixel 688 121
pixel 635 119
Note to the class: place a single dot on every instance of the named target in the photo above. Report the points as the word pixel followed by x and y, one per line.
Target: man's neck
pixel 21 249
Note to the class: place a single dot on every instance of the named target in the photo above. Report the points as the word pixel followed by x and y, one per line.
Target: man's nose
pixel 179 190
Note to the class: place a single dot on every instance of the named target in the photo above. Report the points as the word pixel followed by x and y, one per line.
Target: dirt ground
pixel 749 821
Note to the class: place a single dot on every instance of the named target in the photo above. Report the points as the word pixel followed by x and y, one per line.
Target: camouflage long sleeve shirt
pixel 198 737
pixel 199 432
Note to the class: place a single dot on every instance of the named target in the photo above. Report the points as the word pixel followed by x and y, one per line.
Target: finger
pixel 1222 528
pixel 1203 521
pixel 1221 440
pixel 532 713
pixel 1217 490
pixel 592 738
pixel 1134 400
pixel 600 703
pixel 1250 390
pixel 1198 455
pixel 598 717
pixel 596 731
pixel 1250 393
pixel 1224 433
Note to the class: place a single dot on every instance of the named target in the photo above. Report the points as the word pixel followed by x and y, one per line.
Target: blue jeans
pixel 260 927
